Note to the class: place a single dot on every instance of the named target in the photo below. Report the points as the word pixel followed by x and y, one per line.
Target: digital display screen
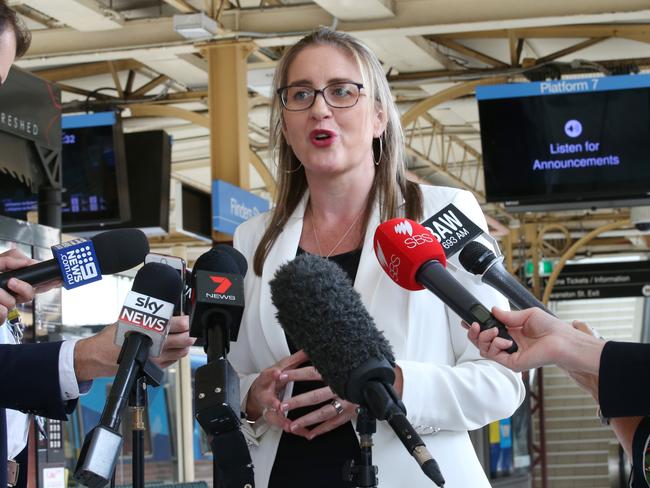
pixel 89 172
pixel 566 141
pixel 16 198
pixel 91 152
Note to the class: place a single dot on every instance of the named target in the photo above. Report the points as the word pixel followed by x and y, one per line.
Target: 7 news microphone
pixel 481 261
pixel 81 261
pixel 217 306
pixel 414 259
pixel 323 314
pixel 142 328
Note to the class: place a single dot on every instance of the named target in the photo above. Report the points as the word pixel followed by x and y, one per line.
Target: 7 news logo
pixel 223 282
pixel 220 291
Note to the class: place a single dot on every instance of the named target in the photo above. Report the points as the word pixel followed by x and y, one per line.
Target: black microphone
pixel 481 261
pixel 81 261
pixel 218 292
pixel 217 305
pixel 149 305
pixel 323 314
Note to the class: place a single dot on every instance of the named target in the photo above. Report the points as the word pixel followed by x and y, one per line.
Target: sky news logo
pixel 143 319
pixel 78 263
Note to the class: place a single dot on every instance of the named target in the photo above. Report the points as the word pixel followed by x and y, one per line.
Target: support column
pixel 228 103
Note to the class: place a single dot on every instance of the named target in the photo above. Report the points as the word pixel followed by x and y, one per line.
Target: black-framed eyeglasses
pixel 342 94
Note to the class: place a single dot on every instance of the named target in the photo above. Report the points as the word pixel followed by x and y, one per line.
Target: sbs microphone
pixel 323 314
pixel 481 261
pixel 414 259
pixel 80 261
pixel 149 305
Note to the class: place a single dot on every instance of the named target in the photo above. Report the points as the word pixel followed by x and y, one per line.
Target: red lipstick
pixel 322 137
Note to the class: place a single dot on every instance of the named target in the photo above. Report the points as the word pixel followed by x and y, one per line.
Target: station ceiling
pixel 126 52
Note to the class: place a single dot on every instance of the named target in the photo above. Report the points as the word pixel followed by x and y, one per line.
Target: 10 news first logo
pixel 146 315
pixel 78 262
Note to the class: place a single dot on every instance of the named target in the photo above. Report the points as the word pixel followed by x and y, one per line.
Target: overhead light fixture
pixel 195 26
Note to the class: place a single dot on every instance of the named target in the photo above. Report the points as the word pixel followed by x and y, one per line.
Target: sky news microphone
pixel 414 259
pixel 147 308
pixel 82 261
pixel 323 314
pixel 142 327
pixel 481 261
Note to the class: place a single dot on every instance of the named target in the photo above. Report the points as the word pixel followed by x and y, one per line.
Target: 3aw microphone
pixel 323 314
pixel 481 261
pixel 414 259
pixel 81 261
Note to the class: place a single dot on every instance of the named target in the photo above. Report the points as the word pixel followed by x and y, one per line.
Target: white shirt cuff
pixel 70 387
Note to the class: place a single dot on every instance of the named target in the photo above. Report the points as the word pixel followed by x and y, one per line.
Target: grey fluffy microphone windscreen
pixel 323 314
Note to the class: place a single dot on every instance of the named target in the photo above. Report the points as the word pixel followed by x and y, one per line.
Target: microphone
pixel 322 313
pixel 216 312
pixel 481 261
pixel 217 282
pixel 217 305
pixel 143 324
pixel 414 259
pixel 81 261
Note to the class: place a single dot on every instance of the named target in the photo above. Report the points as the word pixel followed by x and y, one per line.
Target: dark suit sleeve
pixel 622 390
pixel 29 380
pixel 639 448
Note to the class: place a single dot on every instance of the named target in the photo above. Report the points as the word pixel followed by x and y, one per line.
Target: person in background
pixel 341 171
pixel 46 379
pixel 608 370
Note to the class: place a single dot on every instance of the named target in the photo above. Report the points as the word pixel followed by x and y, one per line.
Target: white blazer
pixel 447 385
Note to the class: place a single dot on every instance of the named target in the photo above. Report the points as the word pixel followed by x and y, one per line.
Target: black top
pixel 317 463
pixel 621 385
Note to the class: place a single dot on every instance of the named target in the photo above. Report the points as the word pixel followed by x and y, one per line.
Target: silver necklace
pixel 313 228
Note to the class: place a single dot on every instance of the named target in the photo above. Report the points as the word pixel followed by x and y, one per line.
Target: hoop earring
pixel 381 151
pixel 291 171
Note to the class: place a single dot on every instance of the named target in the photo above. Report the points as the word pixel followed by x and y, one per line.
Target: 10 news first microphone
pixel 407 251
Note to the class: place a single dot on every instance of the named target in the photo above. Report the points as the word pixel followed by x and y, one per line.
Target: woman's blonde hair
pixel 390 184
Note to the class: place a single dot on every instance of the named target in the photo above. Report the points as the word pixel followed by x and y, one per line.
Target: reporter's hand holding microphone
pixel 115 251
pixel 17 291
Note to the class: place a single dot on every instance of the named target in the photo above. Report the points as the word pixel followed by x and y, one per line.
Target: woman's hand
pixel 586 381
pixel 264 395
pixel 542 340
pixel 333 414
pixel 539 336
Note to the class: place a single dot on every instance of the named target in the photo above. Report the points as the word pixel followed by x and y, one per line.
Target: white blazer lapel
pixel 369 273
pixel 386 302
pixel 283 250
